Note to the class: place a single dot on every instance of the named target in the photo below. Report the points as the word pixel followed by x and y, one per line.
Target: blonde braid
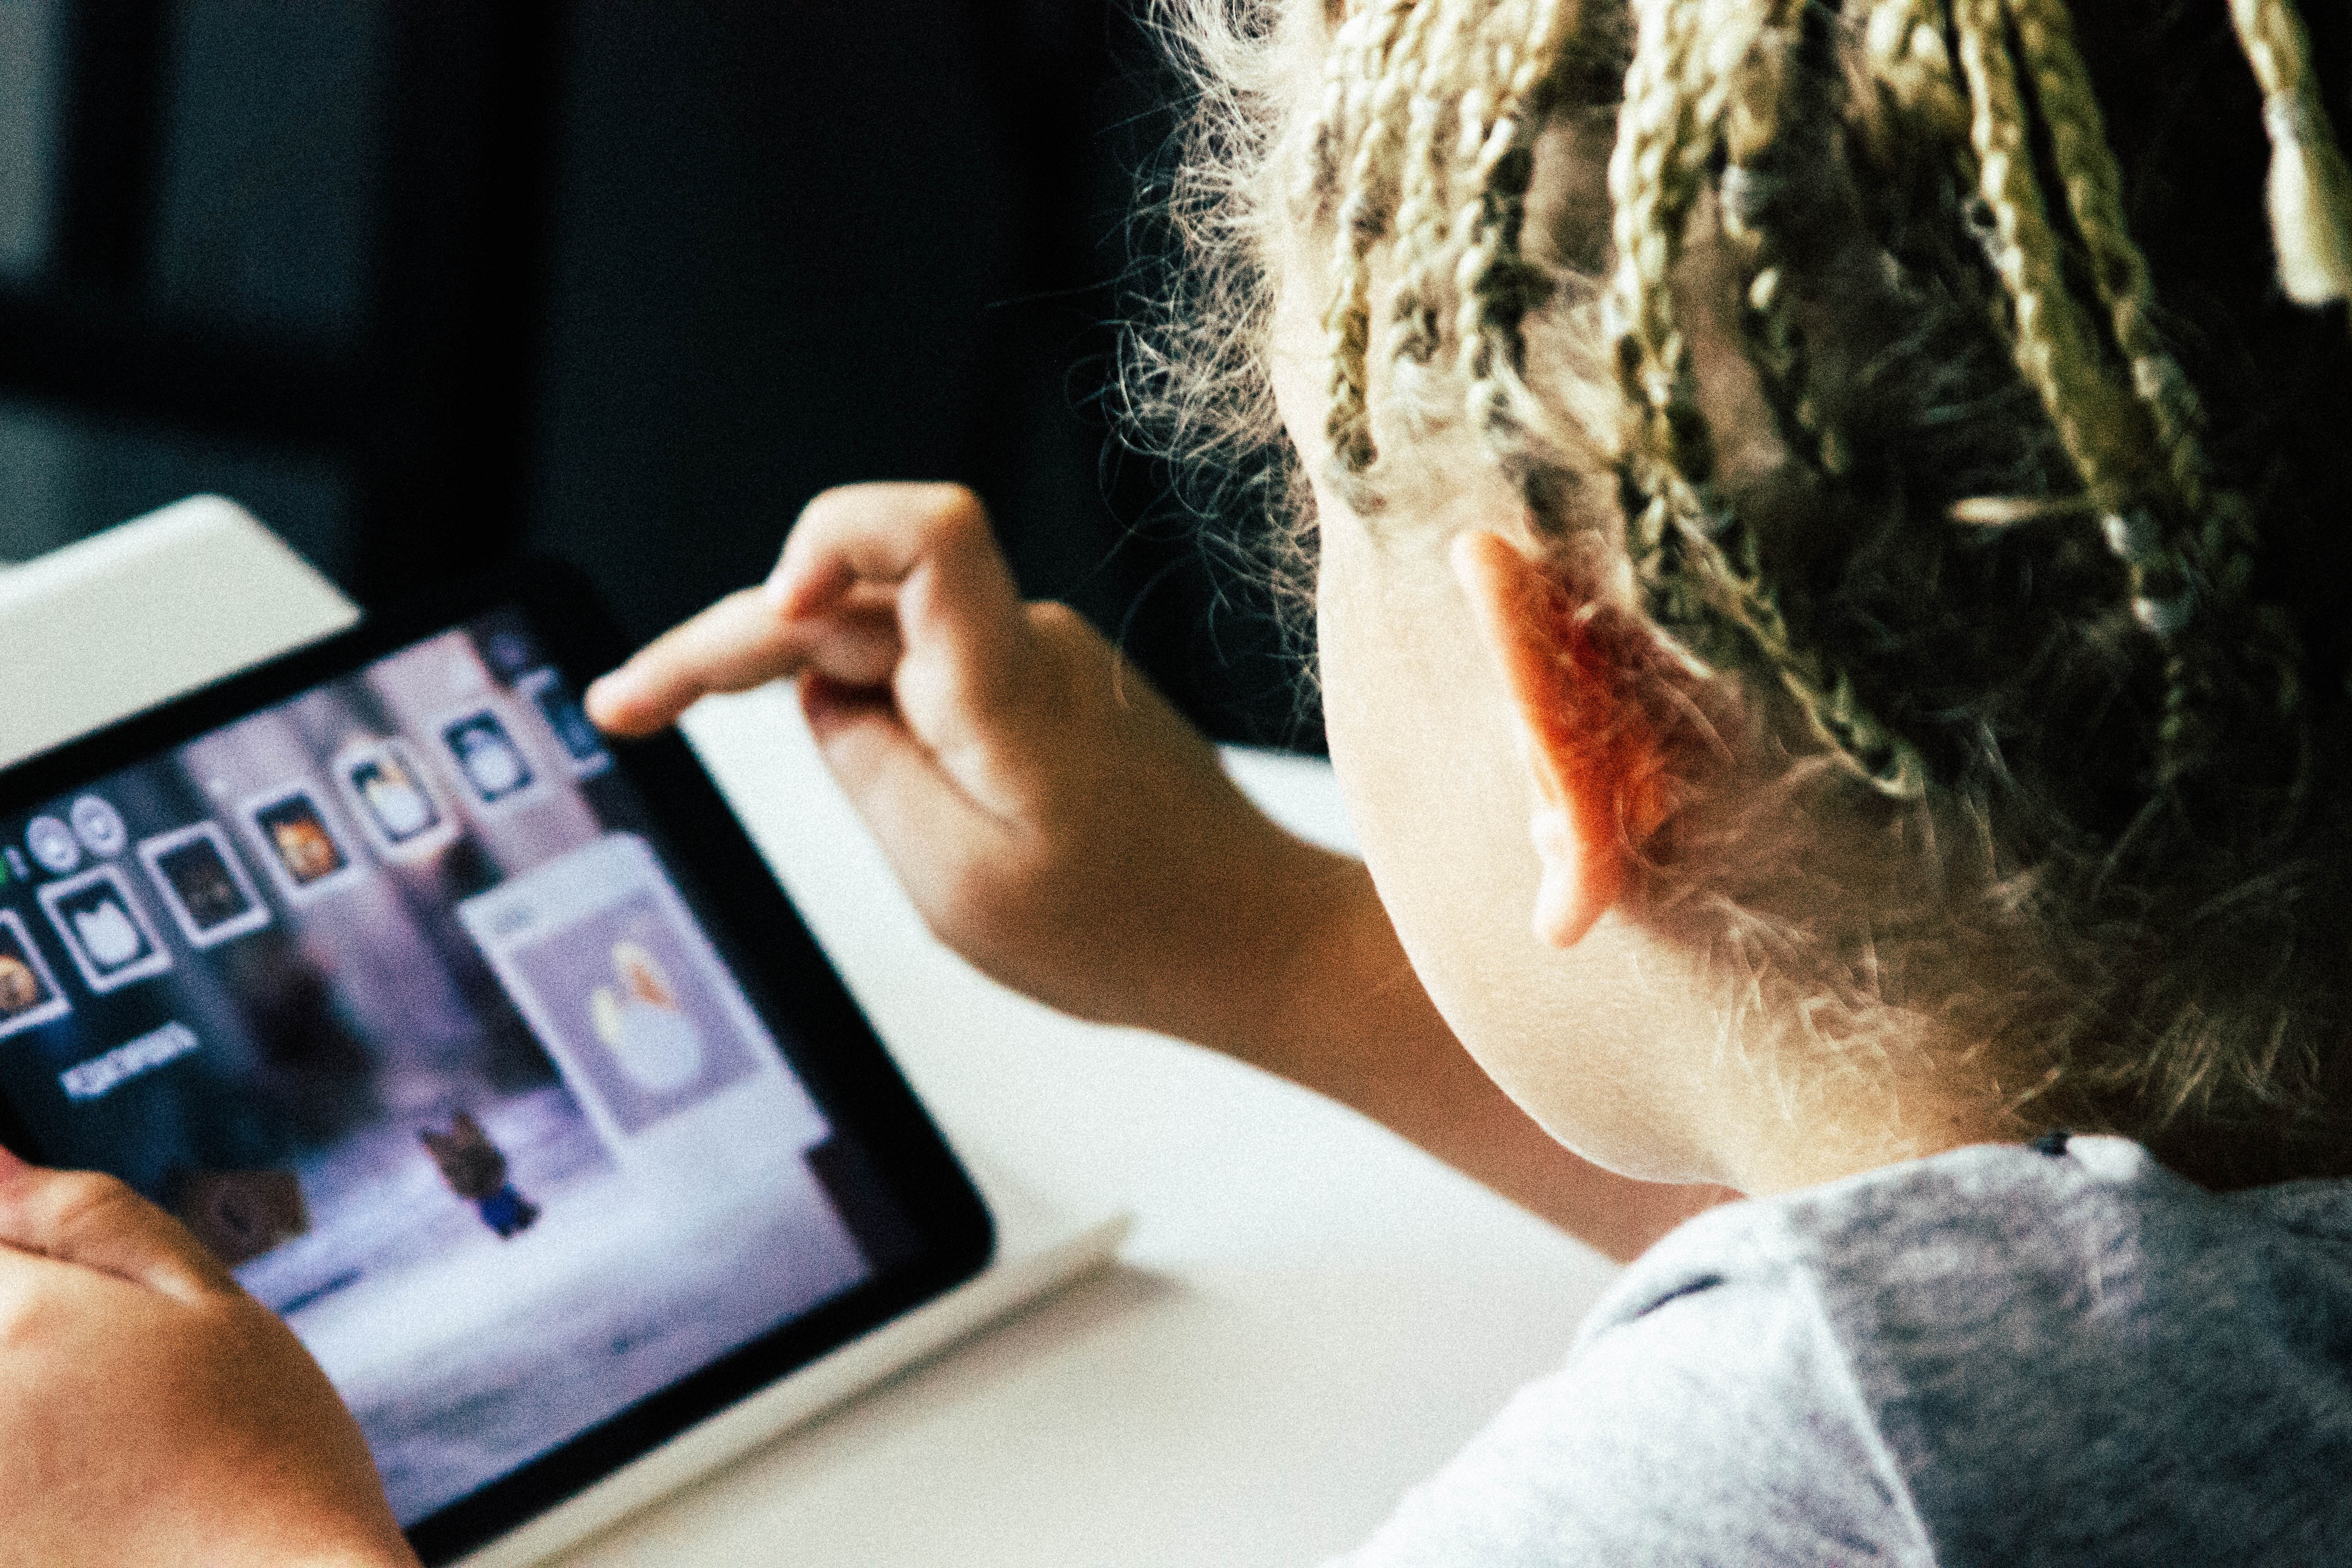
pixel 1362 99
pixel 1700 567
pixel 1904 40
pixel 2164 565
pixel 1654 178
pixel 2310 189
pixel 1651 190
pixel 2213 556
pixel 1421 207
pixel 2054 345
pixel 1496 287
pixel 2092 182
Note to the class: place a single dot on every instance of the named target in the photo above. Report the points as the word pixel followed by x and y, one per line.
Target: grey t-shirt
pixel 1997 1356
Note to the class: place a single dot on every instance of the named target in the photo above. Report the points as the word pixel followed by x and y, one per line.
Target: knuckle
pixel 952 513
pixel 80 1198
pixel 827 501
pixel 903 520
pixel 1056 620
pixel 84 1206
pixel 829 513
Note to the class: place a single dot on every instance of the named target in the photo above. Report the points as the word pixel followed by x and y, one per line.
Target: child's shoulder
pixel 1996 1355
pixel 2062 1351
pixel 1995 1229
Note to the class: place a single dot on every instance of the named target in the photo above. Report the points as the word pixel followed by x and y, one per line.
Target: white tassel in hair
pixel 2310 188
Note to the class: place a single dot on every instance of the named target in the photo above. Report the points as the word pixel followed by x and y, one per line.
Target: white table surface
pixel 1310 1316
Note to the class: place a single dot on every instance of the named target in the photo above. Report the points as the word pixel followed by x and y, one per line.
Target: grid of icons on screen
pixel 106 899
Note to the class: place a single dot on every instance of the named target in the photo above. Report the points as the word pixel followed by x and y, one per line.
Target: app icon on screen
pixel 583 747
pixel 301 847
pixel 389 794
pixel 18 866
pixel 493 765
pixel 98 827
pixel 624 991
pixel 28 992
pixel 203 884
pixel 112 940
pixel 53 844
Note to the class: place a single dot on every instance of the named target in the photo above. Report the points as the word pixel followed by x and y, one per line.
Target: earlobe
pixel 1570 735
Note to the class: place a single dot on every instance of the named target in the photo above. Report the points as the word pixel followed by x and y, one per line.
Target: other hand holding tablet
pixel 152 1413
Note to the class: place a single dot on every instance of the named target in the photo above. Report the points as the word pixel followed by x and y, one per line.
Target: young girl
pixel 1826 523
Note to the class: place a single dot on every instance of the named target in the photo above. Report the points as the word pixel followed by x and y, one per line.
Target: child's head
pixel 1928 513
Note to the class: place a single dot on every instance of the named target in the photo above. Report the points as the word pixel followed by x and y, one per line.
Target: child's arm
pixel 151 1412
pixel 1062 827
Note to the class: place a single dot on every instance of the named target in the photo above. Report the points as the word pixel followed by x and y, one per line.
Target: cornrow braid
pixel 2207 552
pixel 1716 79
pixel 2106 433
pixel 2054 343
pixel 2186 549
pixel 1904 40
pixel 1494 59
pixel 2093 184
pixel 1652 185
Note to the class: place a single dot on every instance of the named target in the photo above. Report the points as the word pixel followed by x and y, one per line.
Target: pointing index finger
pixel 739 643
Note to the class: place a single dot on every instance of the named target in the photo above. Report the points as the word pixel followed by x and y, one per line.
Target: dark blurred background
pixel 425 283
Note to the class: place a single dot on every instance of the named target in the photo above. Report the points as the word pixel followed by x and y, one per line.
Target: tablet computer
pixel 488 1055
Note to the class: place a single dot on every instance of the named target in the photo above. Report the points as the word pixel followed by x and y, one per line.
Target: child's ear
pixel 1566 705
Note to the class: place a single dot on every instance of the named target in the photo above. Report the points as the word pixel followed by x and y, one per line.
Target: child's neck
pixel 1843 1129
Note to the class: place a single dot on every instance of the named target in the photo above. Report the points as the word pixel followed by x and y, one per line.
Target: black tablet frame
pixel 848 1070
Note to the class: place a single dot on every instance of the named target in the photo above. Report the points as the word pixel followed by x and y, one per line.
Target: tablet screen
pixel 390 991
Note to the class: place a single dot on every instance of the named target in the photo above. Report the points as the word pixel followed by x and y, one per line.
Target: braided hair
pixel 2028 607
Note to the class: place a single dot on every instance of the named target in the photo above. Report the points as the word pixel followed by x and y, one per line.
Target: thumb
pixel 95 1222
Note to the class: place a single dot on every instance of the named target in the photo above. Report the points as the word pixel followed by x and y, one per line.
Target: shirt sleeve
pixel 1723 1426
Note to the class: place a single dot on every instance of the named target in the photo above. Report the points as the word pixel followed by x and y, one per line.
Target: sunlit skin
pixel 1441 636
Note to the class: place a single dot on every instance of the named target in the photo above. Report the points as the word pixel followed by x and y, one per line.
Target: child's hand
pixel 1065 829
pixel 1055 821
pixel 151 1412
